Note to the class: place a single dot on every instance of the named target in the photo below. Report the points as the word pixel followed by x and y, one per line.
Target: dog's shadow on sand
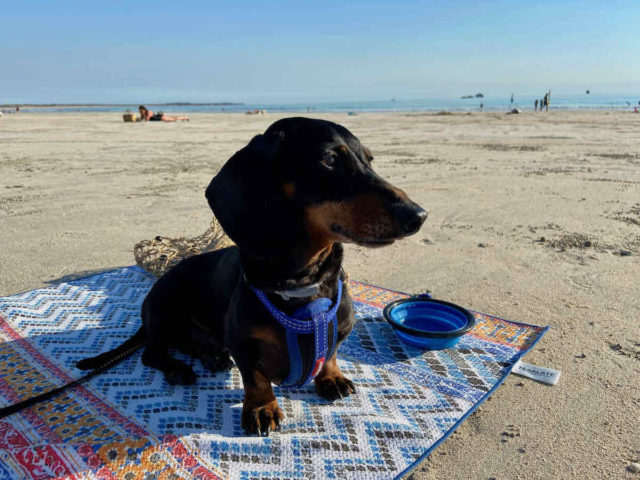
pixel 130 391
pixel 70 277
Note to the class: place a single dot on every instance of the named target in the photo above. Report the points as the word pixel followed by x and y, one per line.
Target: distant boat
pixel 393 99
pixel 587 92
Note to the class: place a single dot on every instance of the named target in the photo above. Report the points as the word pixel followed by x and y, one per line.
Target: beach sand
pixel 532 217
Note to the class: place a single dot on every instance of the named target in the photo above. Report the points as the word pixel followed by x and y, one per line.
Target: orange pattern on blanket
pixel 112 450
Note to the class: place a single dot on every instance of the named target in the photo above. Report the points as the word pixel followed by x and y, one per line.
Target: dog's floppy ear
pixel 246 197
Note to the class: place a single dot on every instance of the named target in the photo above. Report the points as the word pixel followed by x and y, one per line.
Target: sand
pixel 533 217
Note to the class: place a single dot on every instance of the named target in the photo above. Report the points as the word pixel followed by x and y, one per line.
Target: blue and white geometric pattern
pixel 407 400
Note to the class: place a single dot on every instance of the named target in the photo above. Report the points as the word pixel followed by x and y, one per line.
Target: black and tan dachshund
pixel 289 199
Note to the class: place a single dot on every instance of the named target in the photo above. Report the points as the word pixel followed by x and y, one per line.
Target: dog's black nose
pixel 409 217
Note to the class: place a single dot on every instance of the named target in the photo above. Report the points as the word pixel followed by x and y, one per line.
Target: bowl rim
pixel 471 320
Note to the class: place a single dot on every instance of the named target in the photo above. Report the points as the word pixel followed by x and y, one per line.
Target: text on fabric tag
pixel 541 374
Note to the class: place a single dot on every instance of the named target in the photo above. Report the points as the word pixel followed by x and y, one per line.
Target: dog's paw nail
pixel 262 420
pixel 334 388
pixel 217 363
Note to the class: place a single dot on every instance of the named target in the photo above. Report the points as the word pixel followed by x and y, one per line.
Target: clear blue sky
pixel 258 51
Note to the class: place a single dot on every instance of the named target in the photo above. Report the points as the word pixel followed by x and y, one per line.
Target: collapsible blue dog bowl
pixel 427 323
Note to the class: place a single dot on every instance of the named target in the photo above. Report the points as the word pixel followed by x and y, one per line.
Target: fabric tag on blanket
pixel 541 374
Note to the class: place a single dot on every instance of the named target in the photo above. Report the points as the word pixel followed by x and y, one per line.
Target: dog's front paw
pixel 180 374
pixel 333 387
pixel 217 363
pixel 262 420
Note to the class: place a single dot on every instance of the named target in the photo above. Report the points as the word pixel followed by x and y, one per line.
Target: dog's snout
pixel 414 220
pixel 413 224
pixel 409 217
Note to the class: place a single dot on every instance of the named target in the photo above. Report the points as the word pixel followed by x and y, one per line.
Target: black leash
pixel 16 407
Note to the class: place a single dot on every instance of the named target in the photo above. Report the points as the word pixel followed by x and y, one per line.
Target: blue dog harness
pixel 316 318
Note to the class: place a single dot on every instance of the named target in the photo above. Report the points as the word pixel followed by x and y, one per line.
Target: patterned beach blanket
pixel 128 423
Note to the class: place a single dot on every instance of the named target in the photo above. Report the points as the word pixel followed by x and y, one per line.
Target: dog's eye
pixel 329 161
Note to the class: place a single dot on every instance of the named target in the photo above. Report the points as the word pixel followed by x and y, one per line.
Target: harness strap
pixel 313 318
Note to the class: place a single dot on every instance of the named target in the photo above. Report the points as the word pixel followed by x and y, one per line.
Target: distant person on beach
pixel 547 100
pixel 481 106
pixel 535 105
pixel 148 116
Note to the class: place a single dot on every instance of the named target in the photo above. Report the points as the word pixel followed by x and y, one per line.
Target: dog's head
pixel 303 185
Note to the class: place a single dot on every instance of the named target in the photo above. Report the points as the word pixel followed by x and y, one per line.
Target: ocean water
pixel 490 103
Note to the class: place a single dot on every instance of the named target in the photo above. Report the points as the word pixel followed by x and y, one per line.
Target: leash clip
pixel 302 292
